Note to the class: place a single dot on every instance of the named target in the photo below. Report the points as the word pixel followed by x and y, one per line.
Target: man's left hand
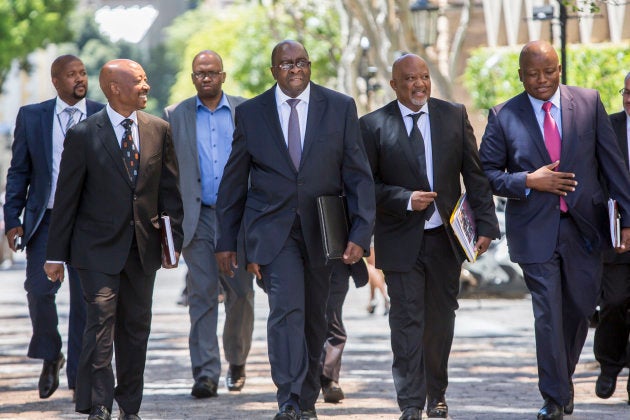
pixel 352 254
pixel 625 241
pixel 483 242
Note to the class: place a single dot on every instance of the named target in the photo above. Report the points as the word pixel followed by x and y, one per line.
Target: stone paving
pixel 492 368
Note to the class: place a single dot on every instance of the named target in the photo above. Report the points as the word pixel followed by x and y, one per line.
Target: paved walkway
pixel 492 368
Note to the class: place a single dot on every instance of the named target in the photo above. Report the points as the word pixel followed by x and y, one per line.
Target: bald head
pixel 536 49
pixel 61 62
pixel 205 55
pixel 411 81
pixel 539 70
pixel 125 85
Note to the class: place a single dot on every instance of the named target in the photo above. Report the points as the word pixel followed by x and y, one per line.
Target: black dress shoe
pixel 568 409
pixel 235 378
pixel 204 387
pixel 550 411
pixel 605 386
pixel 100 412
pixel 309 414
pixel 287 412
pixel 437 408
pixel 411 413
pixel 628 390
pixel 126 416
pixel 49 378
pixel 331 390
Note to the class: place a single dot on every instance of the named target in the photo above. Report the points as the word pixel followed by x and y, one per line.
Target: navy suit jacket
pixel 262 188
pixel 513 146
pixel 29 177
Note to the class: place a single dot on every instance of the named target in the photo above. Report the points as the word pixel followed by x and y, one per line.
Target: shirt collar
pixel 406 111
pixel 116 118
pixel 537 103
pixel 281 97
pixel 222 103
pixel 60 106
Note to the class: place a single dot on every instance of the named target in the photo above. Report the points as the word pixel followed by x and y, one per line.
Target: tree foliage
pixel 26 25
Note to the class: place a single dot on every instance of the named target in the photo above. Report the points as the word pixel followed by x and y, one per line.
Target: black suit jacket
pixel 97 211
pixel 398 232
pixel 261 187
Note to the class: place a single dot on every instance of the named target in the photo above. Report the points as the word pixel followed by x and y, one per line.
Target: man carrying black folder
pixel 418 147
pixel 293 143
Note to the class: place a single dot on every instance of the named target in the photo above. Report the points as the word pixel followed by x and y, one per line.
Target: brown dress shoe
pixel 332 391
pixel 49 378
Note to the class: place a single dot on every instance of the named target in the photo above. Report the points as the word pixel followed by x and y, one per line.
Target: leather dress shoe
pixel 204 387
pixel 628 390
pixel 411 413
pixel 437 408
pixel 287 412
pixel 49 378
pixel 568 409
pixel 331 390
pixel 550 411
pixel 235 378
pixel 100 412
pixel 605 386
pixel 309 414
pixel 125 416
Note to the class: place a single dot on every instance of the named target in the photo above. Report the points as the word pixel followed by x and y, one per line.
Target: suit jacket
pixel 398 232
pixel 513 146
pixel 333 162
pixel 98 212
pixel 29 177
pixel 182 117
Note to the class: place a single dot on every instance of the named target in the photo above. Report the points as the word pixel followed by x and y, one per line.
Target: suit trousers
pixel 613 331
pixel 41 295
pixel 296 325
pixel 422 320
pixel 118 317
pixel 564 294
pixel 336 333
pixel 202 282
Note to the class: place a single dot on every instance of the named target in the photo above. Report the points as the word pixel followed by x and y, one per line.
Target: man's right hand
pixel 548 180
pixel 420 200
pixel 227 262
pixel 12 236
pixel 54 271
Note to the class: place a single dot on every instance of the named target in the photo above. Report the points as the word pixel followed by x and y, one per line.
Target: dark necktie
pixel 293 133
pixel 417 144
pixel 130 153
pixel 70 122
pixel 553 142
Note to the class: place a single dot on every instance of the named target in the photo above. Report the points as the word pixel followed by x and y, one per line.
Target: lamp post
pixel 424 15
pixel 367 72
pixel 546 13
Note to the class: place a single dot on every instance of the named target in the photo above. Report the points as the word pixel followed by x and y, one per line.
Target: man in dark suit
pixel 418 148
pixel 544 150
pixel 105 224
pixel 30 192
pixel 613 330
pixel 293 143
pixel 202 128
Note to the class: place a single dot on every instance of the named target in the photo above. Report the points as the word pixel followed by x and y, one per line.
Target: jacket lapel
pixel 190 129
pixel 569 131
pixel 269 113
pixel 107 137
pixel 150 143
pixel 400 136
pixel 46 125
pixel 619 125
pixel 530 122
pixel 316 109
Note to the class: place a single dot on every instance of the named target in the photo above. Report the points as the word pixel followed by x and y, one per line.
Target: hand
pixel 12 235
pixel 227 262
pixel 255 270
pixel 483 242
pixel 547 179
pixel 166 265
pixel 54 271
pixel 625 241
pixel 420 200
pixel 352 254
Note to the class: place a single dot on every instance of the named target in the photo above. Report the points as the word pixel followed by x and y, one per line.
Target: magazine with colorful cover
pixel 463 224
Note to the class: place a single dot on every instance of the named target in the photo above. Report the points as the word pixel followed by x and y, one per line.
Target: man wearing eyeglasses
pixel 202 128
pixel 613 330
pixel 293 143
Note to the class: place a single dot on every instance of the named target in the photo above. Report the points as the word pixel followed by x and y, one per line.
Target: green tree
pixel 26 25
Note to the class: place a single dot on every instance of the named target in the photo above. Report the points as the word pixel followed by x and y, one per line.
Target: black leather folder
pixel 333 222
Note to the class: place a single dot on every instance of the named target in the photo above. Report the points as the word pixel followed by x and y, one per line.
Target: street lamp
pixel 546 13
pixel 367 72
pixel 424 16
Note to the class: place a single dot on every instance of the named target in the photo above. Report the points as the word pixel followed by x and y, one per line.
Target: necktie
pixel 70 122
pixel 293 134
pixel 417 143
pixel 130 153
pixel 553 142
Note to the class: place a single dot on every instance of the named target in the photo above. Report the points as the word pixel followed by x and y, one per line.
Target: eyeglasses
pixel 200 75
pixel 624 91
pixel 300 64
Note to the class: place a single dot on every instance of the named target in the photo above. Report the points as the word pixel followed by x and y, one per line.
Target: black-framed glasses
pixel 200 75
pixel 300 64
pixel 624 91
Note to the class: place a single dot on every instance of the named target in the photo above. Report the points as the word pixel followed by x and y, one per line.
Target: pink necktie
pixel 553 142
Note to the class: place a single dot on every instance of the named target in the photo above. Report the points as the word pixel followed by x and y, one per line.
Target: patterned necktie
pixel 130 153
pixel 553 142
pixel 293 134
pixel 70 122
pixel 417 143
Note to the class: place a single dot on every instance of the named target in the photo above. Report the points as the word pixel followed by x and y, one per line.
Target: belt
pixel 434 230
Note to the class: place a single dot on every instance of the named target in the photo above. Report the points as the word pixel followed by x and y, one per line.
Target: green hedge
pixel 491 74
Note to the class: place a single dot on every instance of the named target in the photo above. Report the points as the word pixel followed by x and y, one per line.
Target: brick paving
pixel 492 369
